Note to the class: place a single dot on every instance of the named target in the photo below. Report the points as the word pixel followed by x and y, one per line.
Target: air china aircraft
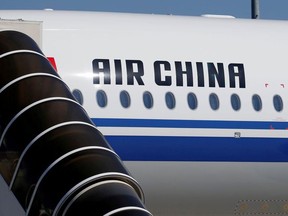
pixel 196 107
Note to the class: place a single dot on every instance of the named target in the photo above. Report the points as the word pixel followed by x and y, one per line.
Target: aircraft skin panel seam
pixel 56 162
pixel 39 136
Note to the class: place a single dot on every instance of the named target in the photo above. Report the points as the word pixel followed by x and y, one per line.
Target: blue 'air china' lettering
pixel 165 73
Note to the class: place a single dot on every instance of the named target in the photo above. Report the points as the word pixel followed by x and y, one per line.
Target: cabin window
pixel 278 103
pixel 170 100
pixel 125 99
pixel 101 98
pixel 192 101
pixel 256 102
pixel 78 96
pixel 214 101
pixel 235 102
pixel 148 100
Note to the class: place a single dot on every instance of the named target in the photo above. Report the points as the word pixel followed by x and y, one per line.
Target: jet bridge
pixel 53 160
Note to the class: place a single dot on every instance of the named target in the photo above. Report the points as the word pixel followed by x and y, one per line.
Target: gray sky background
pixel 269 9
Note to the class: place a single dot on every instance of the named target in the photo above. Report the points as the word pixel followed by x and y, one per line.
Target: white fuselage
pixel 199 160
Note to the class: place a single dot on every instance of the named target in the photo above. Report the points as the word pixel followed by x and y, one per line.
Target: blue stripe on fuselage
pixel 156 148
pixel 184 148
pixel 168 123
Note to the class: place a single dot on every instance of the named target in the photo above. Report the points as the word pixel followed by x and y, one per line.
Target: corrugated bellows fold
pixel 51 155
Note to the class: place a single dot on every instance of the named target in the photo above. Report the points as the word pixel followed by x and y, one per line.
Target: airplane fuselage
pixel 195 107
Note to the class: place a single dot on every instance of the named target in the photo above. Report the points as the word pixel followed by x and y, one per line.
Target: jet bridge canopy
pixel 52 156
pixel 30 28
